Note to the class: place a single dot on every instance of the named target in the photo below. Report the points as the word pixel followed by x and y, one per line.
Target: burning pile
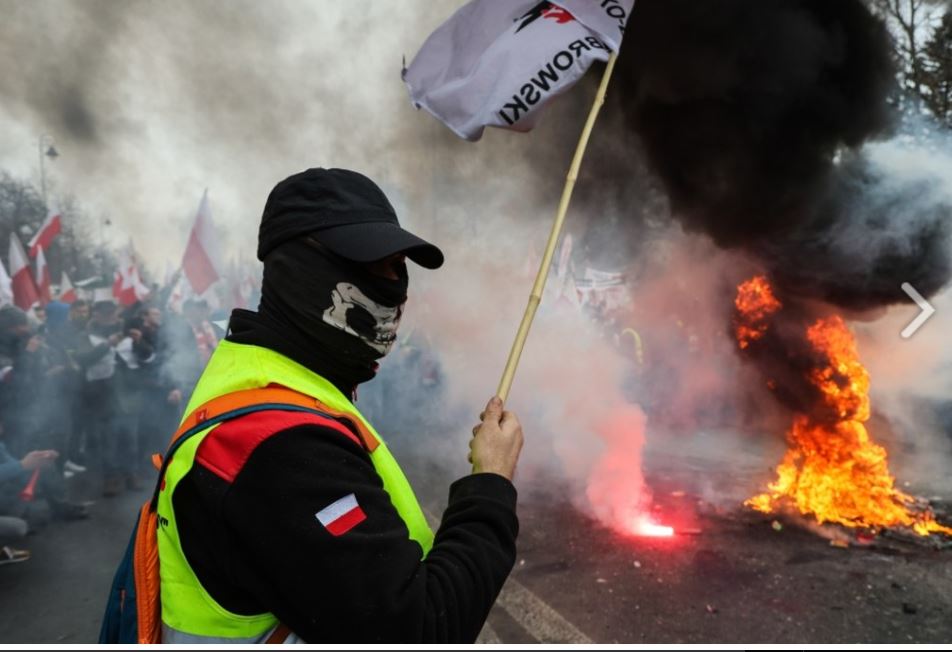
pixel 832 471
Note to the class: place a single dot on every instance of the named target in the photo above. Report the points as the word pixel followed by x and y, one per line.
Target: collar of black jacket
pixel 257 329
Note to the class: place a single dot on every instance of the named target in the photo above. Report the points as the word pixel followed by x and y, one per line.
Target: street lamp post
pixel 46 150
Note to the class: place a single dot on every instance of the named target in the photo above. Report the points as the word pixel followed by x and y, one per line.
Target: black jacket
pixel 256 545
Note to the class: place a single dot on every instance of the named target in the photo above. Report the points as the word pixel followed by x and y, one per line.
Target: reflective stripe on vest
pixel 187 608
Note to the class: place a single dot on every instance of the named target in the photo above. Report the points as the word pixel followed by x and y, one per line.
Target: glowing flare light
pixel 644 527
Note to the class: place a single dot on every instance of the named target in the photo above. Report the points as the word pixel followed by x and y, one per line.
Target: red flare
pixel 29 491
pixel 647 528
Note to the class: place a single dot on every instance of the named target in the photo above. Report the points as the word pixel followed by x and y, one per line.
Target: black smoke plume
pixel 742 104
pixel 753 114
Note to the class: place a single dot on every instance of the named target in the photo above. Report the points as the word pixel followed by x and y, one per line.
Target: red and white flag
pixel 48 230
pixel 496 64
pixel 122 291
pixel 178 294
pixel 127 285
pixel 24 289
pixel 201 261
pixel 6 287
pixel 342 515
pixel 67 293
pixel 43 281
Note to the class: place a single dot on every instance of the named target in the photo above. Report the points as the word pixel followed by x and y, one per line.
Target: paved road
pixel 58 596
pixel 575 581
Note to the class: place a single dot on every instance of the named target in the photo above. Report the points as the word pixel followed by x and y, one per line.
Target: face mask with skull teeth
pixel 355 313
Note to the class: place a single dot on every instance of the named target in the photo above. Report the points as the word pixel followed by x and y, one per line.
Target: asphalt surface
pixel 729 575
pixel 733 579
pixel 59 594
pixel 738 581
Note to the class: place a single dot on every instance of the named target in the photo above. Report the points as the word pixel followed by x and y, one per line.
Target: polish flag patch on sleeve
pixel 341 516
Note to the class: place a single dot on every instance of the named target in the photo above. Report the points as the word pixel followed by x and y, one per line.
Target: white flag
pixel 496 63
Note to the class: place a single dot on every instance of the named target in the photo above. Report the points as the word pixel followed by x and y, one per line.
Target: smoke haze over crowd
pixel 752 121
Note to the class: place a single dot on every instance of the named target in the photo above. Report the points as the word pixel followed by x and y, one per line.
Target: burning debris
pixel 833 471
pixel 756 303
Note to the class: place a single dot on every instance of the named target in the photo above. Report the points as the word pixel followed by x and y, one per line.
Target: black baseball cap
pixel 346 212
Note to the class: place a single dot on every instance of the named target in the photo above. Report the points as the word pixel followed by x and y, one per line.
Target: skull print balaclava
pixel 334 308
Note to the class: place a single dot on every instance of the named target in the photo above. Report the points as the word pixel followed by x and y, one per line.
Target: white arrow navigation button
pixel 923 317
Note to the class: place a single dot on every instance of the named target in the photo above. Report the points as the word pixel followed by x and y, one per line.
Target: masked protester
pixel 284 525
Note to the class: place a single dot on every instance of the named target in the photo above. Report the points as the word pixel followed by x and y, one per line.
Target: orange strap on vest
pixel 270 394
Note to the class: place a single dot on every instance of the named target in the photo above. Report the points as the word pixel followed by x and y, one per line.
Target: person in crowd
pixel 130 364
pixel 60 387
pixel 37 318
pixel 65 323
pixel 161 397
pixel 96 356
pixel 16 475
pixel 181 362
pixel 197 314
pixel 79 315
pixel 34 369
pixel 72 338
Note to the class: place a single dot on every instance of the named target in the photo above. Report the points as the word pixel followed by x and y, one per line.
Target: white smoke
pixel 911 379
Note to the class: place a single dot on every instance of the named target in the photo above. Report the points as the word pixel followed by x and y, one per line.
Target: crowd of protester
pixel 89 391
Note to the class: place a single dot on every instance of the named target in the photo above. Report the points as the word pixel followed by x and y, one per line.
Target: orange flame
pixel 835 473
pixel 755 302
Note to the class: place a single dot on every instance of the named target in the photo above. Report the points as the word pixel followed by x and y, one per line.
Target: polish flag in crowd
pixel 6 287
pixel 177 295
pixel 43 281
pixel 201 261
pixel 127 285
pixel 67 293
pixel 47 231
pixel 24 289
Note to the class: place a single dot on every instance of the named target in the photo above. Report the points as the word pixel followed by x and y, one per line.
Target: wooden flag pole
pixel 535 298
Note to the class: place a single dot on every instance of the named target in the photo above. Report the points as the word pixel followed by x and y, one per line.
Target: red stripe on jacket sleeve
pixel 226 449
